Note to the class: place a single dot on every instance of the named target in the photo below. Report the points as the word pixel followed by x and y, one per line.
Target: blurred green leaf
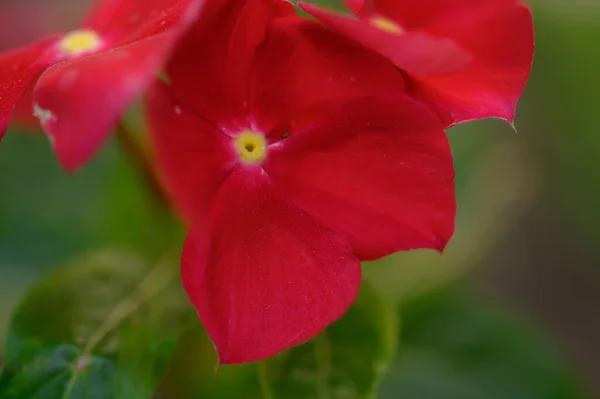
pixel 455 347
pixel 46 215
pixel 345 361
pixel 331 4
pixel 104 326
pixel 193 373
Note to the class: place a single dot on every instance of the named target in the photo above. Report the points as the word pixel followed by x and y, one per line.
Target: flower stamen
pixel 79 42
pixel 250 146
pixel 386 25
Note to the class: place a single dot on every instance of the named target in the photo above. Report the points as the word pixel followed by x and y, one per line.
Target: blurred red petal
pixel 432 14
pixel 417 52
pixel 18 68
pixel 23 115
pixel 262 273
pixel 378 169
pixel 497 35
pixel 502 44
pixel 123 21
pixel 82 99
pixel 355 5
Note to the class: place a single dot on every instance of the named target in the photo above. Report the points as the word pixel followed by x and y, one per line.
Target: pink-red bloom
pixel 295 154
pixel 468 59
pixel 85 78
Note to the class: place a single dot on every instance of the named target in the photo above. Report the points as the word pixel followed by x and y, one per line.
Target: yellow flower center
pixel 387 25
pixel 250 146
pixel 80 42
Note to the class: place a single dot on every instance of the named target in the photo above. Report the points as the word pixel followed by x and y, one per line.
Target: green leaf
pixel 104 205
pixel 193 373
pixel 345 361
pixel 330 4
pixel 455 347
pixel 104 326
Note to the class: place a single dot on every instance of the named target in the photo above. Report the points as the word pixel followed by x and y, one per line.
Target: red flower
pixel 468 59
pixel 87 77
pixel 295 154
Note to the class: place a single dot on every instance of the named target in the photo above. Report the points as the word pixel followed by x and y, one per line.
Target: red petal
pixel 303 66
pixel 85 97
pixel 210 69
pixel 355 5
pixel 194 156
pixel 417 52
pixel 18 68
pixel 23 114
pixel 378 169
pixel 123 21
pixel 498 36
pixel 502 46
pixel 427 14
pixel 263 274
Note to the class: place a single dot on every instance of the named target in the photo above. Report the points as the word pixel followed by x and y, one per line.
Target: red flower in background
pixel 468 59
pixel 42 18
pixel 84 79
pixel 295 154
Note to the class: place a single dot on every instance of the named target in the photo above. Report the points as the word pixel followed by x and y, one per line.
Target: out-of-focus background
pixel 511 310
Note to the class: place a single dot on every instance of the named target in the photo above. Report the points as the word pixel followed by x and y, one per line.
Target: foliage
pixel 104 326
pixel 455 347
